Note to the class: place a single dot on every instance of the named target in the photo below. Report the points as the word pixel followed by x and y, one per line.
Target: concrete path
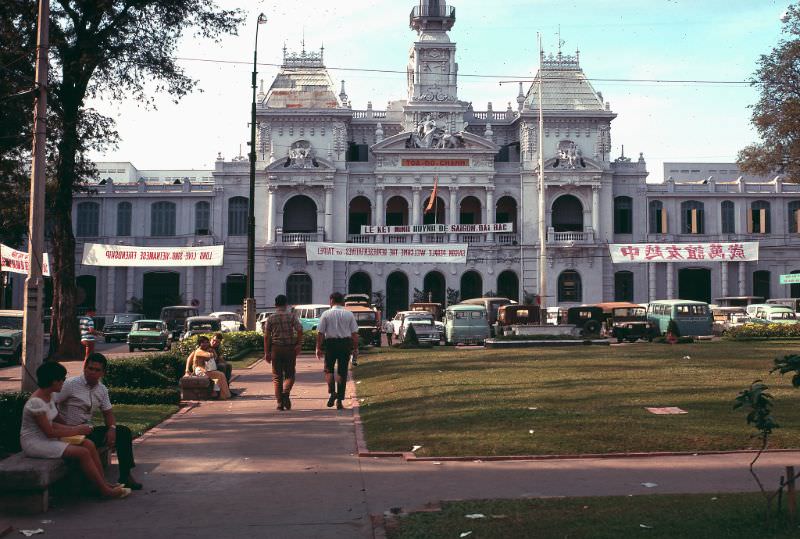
pixel 242 469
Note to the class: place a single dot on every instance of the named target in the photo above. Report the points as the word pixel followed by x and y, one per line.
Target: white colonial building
pixel 324 170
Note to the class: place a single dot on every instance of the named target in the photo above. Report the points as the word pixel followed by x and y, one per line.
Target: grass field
pixel 247 360
pixel 574 400
pixel 701 516
pixel 139 417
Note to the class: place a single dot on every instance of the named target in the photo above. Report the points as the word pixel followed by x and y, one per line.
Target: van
pixel 491 305
pixel 692 317
pixel 466 324
pixel 175 317
pixel 793 303
pixel 773 314
pixel 309 314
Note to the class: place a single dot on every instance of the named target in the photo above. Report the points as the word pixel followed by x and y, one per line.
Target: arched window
pixel 233 289
pixel 759 222
pixel 658 217
pixel 506 211
pixel 396 211
pixel 471 285
pixel 728 215
pixel 470 211
pixel 508 285
pixel 162 219
pixel 623 286
pixel 298 288
pixel 88 219
pixel 124 216
pixel 623 215
pixel 794 216
pixel 569 287
pixel 237 216
pixel 436 215
pixel 300 215
pixel 761 284
pixel 360 214
pixel 360 283
pixel 567 214
pixel 202 218
pixel 692 218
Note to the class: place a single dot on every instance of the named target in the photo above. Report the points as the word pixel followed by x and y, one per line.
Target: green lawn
pixel 139 417
pixel 682 516
pixel 575 400
pixel 246 361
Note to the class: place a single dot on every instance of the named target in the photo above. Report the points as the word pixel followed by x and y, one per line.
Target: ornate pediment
pixel 459 143
pixel 577 166
pixel 310 166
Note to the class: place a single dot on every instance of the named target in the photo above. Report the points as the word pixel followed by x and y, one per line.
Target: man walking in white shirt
pixel 338 330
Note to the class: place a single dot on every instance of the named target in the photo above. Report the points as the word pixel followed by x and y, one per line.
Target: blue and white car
pixel 11 336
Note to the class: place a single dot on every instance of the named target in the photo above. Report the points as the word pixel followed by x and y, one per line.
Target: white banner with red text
pixel 19 261
pixel 436 229
pixel 97 254
pixel 683 252
pixel 401 254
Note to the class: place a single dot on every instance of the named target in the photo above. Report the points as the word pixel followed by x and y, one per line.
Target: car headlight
pixel 6 342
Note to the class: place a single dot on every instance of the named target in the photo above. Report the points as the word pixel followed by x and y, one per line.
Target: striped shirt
pixel 77 401
pixel 282 327
pixel 87 328
pixel 337 323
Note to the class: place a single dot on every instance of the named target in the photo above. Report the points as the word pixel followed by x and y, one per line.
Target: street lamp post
pixel 250 302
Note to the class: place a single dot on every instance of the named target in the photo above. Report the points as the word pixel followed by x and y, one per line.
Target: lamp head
pixel 262 18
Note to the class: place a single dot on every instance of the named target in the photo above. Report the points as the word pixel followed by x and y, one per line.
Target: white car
pixel 261 319
pixel 229 321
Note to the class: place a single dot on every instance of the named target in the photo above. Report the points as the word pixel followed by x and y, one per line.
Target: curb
pixel 6 528
pixel 185 407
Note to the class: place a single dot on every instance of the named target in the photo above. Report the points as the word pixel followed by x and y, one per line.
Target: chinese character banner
pixel 683 252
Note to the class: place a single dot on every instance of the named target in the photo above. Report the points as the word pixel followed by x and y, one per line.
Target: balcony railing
pixel 570 237
pixel 434 238
pixel 470 238
pixel 398 239
pixel 440 10
pixel 507 239
pixel 360 238
pixel 297 238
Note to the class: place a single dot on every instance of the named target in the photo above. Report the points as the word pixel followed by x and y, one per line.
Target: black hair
pixel 219 336
pixel 281 300
pixel 202 338
pixel 50 372
pixel 97 357
pixel 337 298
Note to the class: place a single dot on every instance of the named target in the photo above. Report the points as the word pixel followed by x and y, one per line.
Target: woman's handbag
pixel 76 439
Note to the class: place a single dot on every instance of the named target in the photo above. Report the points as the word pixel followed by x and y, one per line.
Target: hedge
pixel 753 332
pixel 234 344
pixel 135 373
pixel 11 405
pixel 130 395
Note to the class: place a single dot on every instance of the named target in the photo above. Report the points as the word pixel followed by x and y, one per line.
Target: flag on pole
pixel 432 200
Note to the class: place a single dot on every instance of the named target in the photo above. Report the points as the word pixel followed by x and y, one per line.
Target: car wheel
pixel 131 349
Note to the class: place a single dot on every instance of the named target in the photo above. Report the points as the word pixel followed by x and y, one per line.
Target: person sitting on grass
pixel 222 365
pixel 41 438
pixel 202 362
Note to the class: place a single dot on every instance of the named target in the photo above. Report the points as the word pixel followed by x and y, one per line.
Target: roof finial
pixel 560 41
pixel 304 41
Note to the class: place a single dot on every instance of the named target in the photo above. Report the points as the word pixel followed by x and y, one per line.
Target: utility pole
pixel 33 331
pixel 542 193
pixel 249 301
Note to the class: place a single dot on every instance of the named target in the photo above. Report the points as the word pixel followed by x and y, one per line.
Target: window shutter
pixel 763 223
pixel 664 221
pixel 694 221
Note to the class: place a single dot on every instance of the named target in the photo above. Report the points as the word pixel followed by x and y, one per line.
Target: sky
pixel 707 40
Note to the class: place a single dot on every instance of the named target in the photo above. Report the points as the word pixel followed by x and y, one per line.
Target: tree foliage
pixel 117 49
pixel 776 115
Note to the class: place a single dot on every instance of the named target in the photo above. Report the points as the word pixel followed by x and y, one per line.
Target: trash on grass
pixel 645 526
pixel 666 410
pixel 416 447
pixel 358 382
pixel 437 463
pixel 649 485
pixel 687 358
pixel 28 533
pixel 532 408
pixel 465 534
pixel 530 431
pixel 47 522
pixel 475 515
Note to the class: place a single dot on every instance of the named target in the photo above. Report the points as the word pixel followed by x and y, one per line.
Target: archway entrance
pixel 471 285
pixel 396 293
pixel 795 288
pixel 694 284
pixel 160 288
pixel 360 283
pixel 435 287
pixel 508 285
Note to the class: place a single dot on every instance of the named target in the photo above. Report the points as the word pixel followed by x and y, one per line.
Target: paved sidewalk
pixel 242 469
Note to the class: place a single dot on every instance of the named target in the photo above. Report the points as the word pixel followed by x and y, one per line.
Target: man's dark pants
pixel 284 362
pixel 123 444
pixel 337 358
pixel 227 370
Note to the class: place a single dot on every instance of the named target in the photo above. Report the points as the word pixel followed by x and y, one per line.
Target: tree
pixel 118 49
pixel 776 115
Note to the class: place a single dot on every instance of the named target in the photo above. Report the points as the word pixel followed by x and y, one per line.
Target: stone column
pixel 670 280
pixel 742 278
pixel 328 213
pixel 724 290
pixel 453 210
pixel 415 210
pixel 188 294
pixel 490 211
pixel 380 214
pixel 129 288
pixel 111 274
pixel 271 214
pixel 208 301
pixel 651 281
pixel 596 211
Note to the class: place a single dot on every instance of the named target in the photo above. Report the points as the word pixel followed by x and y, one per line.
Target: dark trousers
pixel 226 369
pixel 284 364
pixel 124 446
pixel 337 359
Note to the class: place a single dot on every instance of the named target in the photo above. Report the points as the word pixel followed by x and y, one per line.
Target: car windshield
pixel 229 317
pixel 691 310
pixel 420 321
pixel 10 322
pixel 125 318
pixel 178 313
pixel 203 326
pixel 364 317
pixel 148 326
pixel 786 315
pixel 630 312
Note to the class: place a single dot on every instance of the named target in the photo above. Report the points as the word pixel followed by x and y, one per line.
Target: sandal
pixel 118 493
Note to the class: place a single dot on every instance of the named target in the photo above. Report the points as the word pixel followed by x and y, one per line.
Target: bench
pixel 25 482
pixel 196 388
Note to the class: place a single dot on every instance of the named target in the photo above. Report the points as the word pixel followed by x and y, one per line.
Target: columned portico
pixel 271 214
pixel 453 209
pixel 329 212
pixel 111 289
pixel 596 210
pixel 416 217
pixel 379 210
pixel 490 211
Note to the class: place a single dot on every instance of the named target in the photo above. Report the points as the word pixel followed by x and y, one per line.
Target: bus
pixel 309 314
pixel 694 318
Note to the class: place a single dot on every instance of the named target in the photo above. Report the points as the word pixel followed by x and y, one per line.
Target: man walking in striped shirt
pixel 88 333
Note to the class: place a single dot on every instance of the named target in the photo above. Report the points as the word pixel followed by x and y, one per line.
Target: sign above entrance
pixel 437 229
pixel 96 254
pixel 397 253
pixel 434 162
pixel 18 262
pixel 683 252
pixel 791 278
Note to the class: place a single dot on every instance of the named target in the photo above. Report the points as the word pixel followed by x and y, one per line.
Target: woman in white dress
pixel 41 438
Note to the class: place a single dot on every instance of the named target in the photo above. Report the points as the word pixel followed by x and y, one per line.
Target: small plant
pixel 135 305
pixel 378 300
pixel 419 296
pixel 529 298
pixel 411 338
pixel 453 296
pixel 672 329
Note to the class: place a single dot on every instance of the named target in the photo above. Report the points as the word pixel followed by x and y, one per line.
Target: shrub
pixel 170 364
pixel 411 338
pixel 753 332
pixel 309 340
pixel 235 344
pixel 11 405
pixel 130 395
pixel 135 372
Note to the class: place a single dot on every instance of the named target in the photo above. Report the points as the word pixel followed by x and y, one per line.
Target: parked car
pixel 369 325
pixel 514 315
pixel 692 317
pixel 774 314
pixel 261 319
pixel 196 325
pixel 630 324
pixel 587 319
pixel 491 305
pixel 149 334
pixel 466 324
pixel 11 336
pixel 309 315
pixel 357 299
pixel 175 317
pixel 120 326
pixel 423 326
pixel 229 321
pixel 728 317
pixel 737 301
pixel 434 308
pixel 793 303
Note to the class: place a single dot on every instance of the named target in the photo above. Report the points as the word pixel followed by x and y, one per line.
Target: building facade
pixel 324 170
